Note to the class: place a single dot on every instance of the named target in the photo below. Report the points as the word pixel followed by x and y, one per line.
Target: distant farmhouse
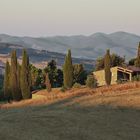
pixel 118 74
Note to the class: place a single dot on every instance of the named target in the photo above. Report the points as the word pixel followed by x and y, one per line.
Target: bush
pixel 122 81
pixel 76 85
pixel 63 89
pixel 136 78
pixel 91 82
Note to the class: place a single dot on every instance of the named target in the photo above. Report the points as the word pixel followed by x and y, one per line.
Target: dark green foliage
pixel 6 86
pixel 55 75
pixel 79 74
pixel 68 71
pixel 51 69
pixel 18 75
pixel 116 60
pixel 91 82
pixel 77 85
pixel 63 89
pixel 14 78
pixel 59 78
pixel 37 78
pixel 132 61
pixel 107 64
pixel 40 80
pixel 1 88
pixel 122 81
pixel 1 81
pixel 33 74
pixel 137 62
pixel 2 98
pixel 99 64
pixel 25 80
pixel 136 78
pixel 47 83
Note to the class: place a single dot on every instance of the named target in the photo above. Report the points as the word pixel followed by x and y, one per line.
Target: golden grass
pixel 43 97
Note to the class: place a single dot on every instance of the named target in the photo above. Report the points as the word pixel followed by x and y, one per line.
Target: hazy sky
pixel 68 17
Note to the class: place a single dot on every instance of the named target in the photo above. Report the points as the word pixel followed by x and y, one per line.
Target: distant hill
pixel 41 57
pixel 89 47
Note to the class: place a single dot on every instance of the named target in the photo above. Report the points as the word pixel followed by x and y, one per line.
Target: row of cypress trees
pixel 17 81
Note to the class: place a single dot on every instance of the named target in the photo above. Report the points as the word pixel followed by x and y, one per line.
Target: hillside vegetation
pixel 116 95
pixel 110 113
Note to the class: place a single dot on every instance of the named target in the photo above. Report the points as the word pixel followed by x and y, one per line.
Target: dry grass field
pixel 106 113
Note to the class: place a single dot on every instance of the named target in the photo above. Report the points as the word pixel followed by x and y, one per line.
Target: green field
pixel 68 120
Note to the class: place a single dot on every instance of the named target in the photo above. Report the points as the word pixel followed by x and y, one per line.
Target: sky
pixel 68 17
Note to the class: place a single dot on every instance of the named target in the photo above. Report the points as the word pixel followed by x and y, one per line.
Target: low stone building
pixel 118 74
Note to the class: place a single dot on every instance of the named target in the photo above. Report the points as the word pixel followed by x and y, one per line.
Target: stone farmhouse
pixel 118 74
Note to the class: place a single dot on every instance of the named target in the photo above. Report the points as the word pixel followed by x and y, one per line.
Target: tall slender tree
pixel 14 78
pixel 137 61
pixel 25 77
pixel 68 71
pixel 47 82
pixel 7 90
pixel 107 64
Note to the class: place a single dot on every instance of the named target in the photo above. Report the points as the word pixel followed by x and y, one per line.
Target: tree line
pixel 17 82
pixel 21 79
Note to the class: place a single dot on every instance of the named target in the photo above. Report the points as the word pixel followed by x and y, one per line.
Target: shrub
pixel 63 89
pixel 76 85
pixel 136 78
pixel 91 82
pixel 120 81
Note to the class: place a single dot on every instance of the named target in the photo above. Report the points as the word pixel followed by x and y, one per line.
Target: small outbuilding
pixel 118 74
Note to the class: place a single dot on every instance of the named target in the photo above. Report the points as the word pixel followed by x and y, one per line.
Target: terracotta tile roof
pixel 133 68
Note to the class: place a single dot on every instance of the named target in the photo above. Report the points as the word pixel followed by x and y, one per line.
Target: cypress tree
pixel 68 71
pixel 7 90
pixel 47 83
pixel 14 78
pixel 107 64
pixel 25 80
pixel 137 61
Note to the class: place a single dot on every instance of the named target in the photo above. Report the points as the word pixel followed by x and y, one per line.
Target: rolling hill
pixel 110 113
pixel 82 46
pixel 40 58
